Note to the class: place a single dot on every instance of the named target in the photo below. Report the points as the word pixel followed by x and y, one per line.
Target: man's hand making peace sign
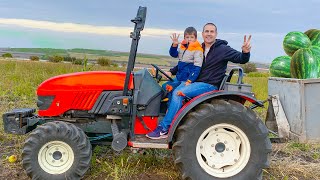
pixel 246 47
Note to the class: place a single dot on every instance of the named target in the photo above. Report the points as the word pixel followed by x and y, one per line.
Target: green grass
pixel 127 164
pixel 21 78
pixel 258 74
pixel 260 89
pixel 259 84
pixel 294 160
pixel 308 149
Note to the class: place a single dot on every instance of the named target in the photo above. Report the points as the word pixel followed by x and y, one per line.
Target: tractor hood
pixel 93 80
pixel 77 90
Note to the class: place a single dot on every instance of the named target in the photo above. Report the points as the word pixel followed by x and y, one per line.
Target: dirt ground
pixel 288 161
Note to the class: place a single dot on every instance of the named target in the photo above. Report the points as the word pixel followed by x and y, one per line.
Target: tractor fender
pixel 209 95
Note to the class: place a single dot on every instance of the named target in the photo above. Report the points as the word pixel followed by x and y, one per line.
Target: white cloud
pixel 109 30
pixel 265 45
pixel 83 28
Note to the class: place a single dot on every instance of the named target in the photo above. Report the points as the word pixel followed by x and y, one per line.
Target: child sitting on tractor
pixel 190 56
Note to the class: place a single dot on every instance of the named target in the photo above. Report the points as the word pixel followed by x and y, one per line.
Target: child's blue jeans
pixel 191 90
pixel 174 84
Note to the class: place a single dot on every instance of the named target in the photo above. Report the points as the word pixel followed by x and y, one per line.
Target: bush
pixel 115 65
pixel 55 58
pixel 7 55
pixel 77 61
pixel 45 57
pixel 69 59
pixel 102 61
pixel 249 67
pixel 34 58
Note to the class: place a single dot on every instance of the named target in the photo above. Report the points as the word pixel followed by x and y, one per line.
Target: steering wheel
pixel 162 72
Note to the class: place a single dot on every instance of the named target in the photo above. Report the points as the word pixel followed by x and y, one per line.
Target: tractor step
pixel 141 141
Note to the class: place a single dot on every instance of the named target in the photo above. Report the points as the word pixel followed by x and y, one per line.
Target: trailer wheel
pixel 222 140
pixel 56 150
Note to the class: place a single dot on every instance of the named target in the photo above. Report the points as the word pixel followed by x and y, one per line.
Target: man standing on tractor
pixel 216 56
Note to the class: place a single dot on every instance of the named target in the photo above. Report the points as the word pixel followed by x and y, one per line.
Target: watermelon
pixel 294 41
pixel 316 52
pixel 314 37
pixel 310 31
pixel 304 64
pixel 280 67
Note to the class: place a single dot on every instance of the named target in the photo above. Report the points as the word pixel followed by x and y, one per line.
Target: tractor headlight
pixel 44 102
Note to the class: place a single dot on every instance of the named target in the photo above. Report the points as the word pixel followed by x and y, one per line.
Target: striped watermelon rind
pixel 304 64
pixel 280 67
pixel 294 41
pixel 310 31
pixel 316 52
pixel 314 37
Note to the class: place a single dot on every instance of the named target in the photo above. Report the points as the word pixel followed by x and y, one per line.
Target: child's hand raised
pixel 175 39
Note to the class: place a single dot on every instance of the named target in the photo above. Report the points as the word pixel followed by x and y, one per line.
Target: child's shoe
pixel 158 133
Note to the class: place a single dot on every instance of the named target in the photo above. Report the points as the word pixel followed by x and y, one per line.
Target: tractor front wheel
pixel 222 140
pixel 56 150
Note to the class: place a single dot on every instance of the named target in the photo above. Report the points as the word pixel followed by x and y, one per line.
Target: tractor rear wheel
pixel 56 150
pixel 222 140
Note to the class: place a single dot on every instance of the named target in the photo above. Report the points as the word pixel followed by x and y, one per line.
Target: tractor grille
pixel 85 100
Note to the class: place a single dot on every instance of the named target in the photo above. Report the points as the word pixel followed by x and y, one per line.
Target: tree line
pixel 102 61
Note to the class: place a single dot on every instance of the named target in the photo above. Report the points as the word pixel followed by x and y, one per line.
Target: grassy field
pixel 92 54
pixel 18 83
pixel 122 58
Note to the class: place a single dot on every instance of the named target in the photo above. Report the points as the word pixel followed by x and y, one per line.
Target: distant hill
pixel 65 52
pixel 93 54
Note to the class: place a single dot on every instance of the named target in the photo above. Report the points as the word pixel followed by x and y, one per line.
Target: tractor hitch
pixel 19 121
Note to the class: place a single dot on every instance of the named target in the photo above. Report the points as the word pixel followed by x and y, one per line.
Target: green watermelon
pixel 304 64
pixel 294 41
pixel 310 31
pixel 280 67
pixel 314 37
pixel 316 52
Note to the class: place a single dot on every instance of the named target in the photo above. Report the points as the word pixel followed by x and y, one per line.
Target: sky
pixel 100 24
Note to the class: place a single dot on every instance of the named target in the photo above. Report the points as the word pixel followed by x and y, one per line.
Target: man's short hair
pixel 210 24
pixel 190 30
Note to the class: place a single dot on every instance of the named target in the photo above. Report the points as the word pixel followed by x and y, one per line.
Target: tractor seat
pixel 239 86
pixel 227 78
pixel 225 83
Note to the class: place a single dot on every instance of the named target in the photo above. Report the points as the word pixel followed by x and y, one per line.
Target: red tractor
pixel 213 136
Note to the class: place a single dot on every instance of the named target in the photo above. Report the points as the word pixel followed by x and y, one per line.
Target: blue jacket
pixel 190 60
pixel 214 65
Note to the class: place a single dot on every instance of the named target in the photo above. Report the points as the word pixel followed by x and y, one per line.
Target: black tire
pixel 213 114
pixel 72 142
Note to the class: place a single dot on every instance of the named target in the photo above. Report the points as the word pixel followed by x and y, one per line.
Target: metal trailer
pixel 300 99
